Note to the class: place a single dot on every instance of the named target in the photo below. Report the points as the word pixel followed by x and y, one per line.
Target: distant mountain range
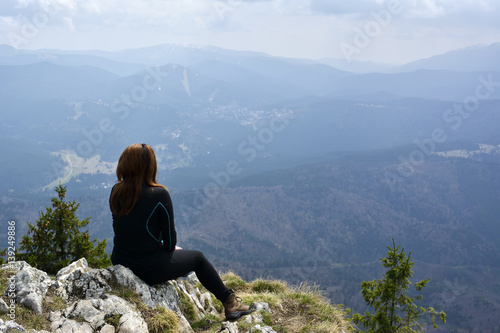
pixel 479 58
pixel 247 77
pixel 476 58
pixel 126 62
pixel 211 99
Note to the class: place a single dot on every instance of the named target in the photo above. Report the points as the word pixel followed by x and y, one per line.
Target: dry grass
pixel 294 309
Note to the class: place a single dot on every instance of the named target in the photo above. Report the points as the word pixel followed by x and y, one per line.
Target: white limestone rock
pixel 254 319
pixel 31 285
pixel 78 281
pixel 163 294
pixel 228 327
pixel 107 329
pixel 92 314
pixel 10 326
pixel 261 306
pixel 90 297
pixel 263 329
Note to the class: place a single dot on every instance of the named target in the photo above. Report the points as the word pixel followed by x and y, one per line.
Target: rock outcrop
pixel 110 300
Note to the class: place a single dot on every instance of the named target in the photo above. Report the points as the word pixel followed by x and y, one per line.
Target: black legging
pixel 179 263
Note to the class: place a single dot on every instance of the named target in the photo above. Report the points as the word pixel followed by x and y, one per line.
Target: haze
pixel 394 31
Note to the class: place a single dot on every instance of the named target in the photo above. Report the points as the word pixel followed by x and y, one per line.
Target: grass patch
pixel 234 282
pixel 266 317
pixel 208 322
pixel 199 285
pixel 4 279
pixel 112 319
pixel 280 329
pixel 217 304
pixel 187 306
pixel 163 321
pixel 126 293
pixel 29 319
pixel 243 326
pixel 267 297
pixel 52 302
pixel 294 309
pixel 261 285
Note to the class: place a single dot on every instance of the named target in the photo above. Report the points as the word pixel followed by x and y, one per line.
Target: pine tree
pixel 395 311
pixel 56 240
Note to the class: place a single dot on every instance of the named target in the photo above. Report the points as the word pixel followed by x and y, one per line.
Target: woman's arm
pixel 167 223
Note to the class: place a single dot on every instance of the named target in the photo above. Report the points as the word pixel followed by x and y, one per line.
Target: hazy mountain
pixel 428 84
pixel 46 81
pixel 7 50
pixel 185 55
pixel 11 56
pixel 358 67
pixel 478 58
pixel 31 167
pixel 271 76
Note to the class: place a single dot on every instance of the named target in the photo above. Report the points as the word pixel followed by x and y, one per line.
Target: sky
pixel 387 31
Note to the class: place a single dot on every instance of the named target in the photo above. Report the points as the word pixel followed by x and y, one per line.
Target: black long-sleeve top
pixel 143 235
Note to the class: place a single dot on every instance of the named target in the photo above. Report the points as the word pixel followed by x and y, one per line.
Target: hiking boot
pixel 234 309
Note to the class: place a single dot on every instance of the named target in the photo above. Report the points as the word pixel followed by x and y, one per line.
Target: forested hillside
pixel 329 222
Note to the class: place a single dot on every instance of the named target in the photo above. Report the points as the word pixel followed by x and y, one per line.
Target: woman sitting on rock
pixel 145 237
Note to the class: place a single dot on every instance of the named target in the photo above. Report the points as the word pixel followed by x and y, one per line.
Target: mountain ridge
pixel 470 59
pixel 480 57
pixel 113 299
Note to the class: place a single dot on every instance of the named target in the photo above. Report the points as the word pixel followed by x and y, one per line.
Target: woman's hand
pixel 178 247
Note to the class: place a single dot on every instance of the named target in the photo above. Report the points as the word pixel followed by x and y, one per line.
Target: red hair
pixel 136 168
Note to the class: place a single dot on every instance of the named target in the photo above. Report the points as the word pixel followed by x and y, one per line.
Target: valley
pixel 277 167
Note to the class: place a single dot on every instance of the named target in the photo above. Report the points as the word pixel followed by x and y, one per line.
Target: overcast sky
pixel 391 31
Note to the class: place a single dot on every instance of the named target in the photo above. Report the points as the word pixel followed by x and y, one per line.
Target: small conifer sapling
pixel 56 239
pixel 395 310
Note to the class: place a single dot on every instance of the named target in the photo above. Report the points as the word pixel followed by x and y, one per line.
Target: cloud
pixel 92 10
pixel 9 8
pixel 351 8
pixel 418 9
pixel 301 28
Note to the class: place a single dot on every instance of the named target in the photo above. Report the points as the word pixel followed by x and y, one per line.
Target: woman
pixel 145 237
